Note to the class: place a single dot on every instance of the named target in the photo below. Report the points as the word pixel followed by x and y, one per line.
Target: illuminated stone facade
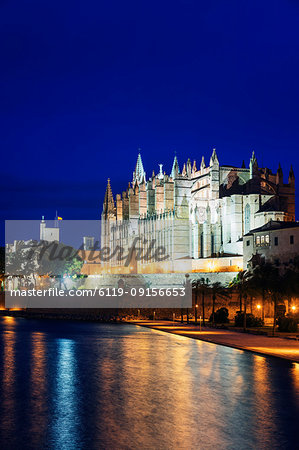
pixel 220 204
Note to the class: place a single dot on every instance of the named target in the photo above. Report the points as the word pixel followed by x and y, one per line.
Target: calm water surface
pixel 68 385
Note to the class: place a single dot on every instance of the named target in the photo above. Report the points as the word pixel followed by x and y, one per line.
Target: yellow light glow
pixel 258 306
pixel 196 306
pixel 293 308
pixel 212 266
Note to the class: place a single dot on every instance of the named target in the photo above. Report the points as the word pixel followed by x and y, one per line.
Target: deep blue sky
pixel 84 84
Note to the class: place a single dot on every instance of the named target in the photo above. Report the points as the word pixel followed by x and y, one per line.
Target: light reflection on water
pixel 67 385
pixel 64 421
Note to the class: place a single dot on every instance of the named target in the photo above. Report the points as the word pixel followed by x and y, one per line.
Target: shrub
pixel 287 324
pixel 220 316
pixel 251 320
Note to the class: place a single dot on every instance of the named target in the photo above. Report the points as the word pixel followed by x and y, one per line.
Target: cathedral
pixel 215 205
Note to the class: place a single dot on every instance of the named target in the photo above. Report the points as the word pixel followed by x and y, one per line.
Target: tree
pixel 41 258
pixel 242 283
pixel 201 287
pixel 276 289
pixel 221 316
pixel 217 290
pixel 260 279
pixel 267 279
pixel 291 279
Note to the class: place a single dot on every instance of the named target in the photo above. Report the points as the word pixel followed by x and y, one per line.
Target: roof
pixel 274 225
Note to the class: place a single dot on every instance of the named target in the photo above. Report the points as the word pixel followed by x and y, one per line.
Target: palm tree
pixel 217 290
pixel 261 276
pixel 201 287
pixel 268 280
pixel 243 284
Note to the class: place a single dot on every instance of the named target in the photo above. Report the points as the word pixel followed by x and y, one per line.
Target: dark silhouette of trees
pixel 201 288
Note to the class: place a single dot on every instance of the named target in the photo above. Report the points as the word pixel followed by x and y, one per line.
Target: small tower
pixel 49 234
pixel 108 205
pixel 214 176
pixel 194 168
pixel 279 175
pixel 160 174
pixel 42 229
pixel 291 179
pixel 253 165
pixel 214 158
pixel 139 173
pixel 189 168
pixel 175 168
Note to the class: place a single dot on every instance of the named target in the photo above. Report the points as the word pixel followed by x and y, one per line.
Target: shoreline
pixel 263 345
pixel 278 347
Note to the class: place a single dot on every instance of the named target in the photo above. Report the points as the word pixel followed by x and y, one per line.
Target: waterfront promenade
pixel 273 346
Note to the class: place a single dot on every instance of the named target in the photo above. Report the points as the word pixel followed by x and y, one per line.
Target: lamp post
pixel 195 313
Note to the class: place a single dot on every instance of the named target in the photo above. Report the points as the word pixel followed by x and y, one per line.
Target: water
pixel 68 385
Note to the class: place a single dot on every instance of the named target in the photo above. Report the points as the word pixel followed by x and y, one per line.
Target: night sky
pixel 85 84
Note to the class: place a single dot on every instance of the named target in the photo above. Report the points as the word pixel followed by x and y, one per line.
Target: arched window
pixel 247 219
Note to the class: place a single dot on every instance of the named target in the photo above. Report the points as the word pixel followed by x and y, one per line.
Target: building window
pixel 267 238
pixel 291 239
pixel 276 240
pixel 247 243
pixel 258 240
pixel 262 240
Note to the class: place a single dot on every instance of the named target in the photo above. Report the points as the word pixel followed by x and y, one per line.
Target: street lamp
pixel 293 308
pixel 196 306
pixel 258 306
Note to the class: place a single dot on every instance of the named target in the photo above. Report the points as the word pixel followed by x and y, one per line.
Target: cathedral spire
pixel 214 158
pixel 291 176
pixel 189 169
pixel 279 175
pixel 253 158
pixel 253 165
pixel 175 168
pixel 108 206
pixel 138 174
pixel 194 168
pixel 202 164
